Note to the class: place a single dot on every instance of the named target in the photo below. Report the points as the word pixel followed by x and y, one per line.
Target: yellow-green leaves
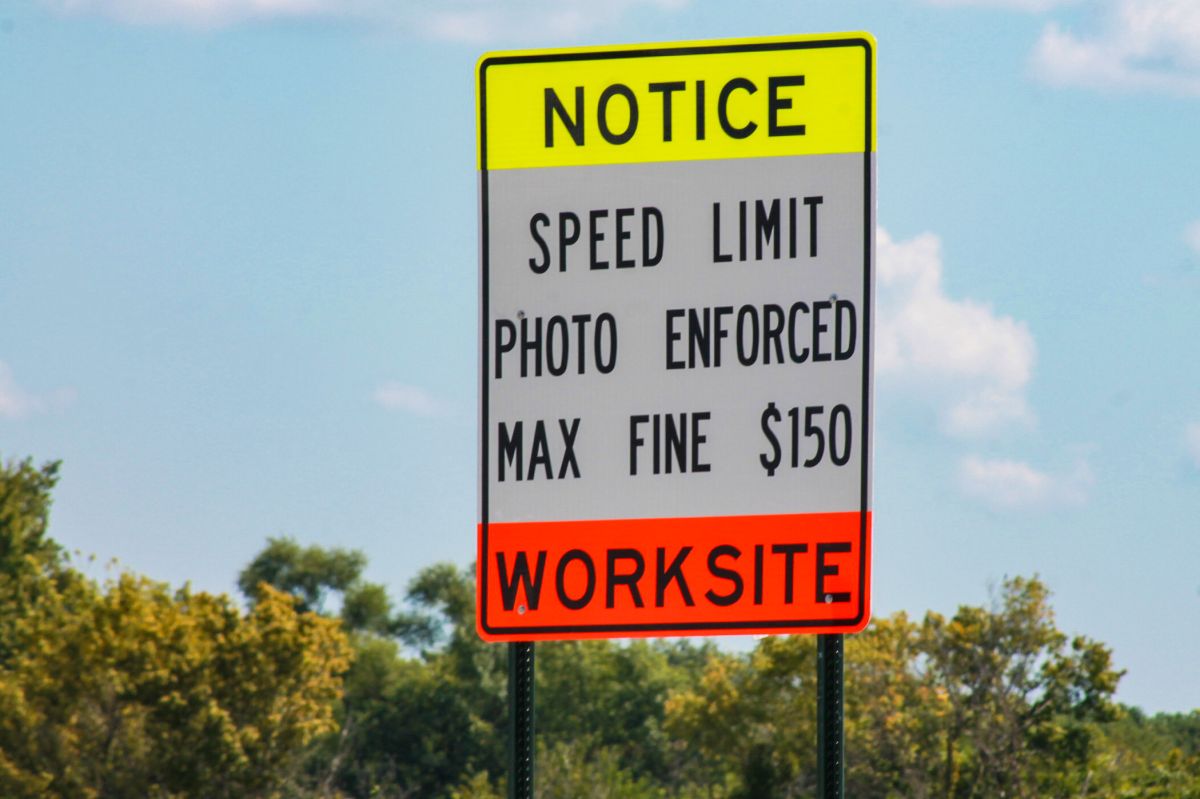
pixel 132 690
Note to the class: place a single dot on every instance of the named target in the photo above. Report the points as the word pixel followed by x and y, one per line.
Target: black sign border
pixel 545 632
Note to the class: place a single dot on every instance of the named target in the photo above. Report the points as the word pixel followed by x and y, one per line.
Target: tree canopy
pixel 323 687
pixel 131 689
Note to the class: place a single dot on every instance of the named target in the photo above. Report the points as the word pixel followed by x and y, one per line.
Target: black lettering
pixel 766 227
pixel 718 256
pixel 835 428
pixel 772 332
pixel 716 570
pixel 819 327
pixel 747 355
pixel 573 126
pixel 566 239
pixel 758 574
pixel 723 108
pixel 622 236
pixel 557 324
pixel 581 320
pixel 791 227
pixel 568 436
pixel 697 440
pixel 539 219
pixel 797 355
pixel 675 439
pixel 656 435
pixel 664 575
pixel 534 346
pixel 520 577
pixel 635 441
pixel 630 581
pixel 742 230
pixel 602 114
pixel 789 552
pixel 812 203
pixel 698 337
pixel 667 89
pixel 539 454
pixel 720 332
pixel 647 258
pixel 775 104
pixel 580 602
pixel 602 321
pixel 824 571
pixel 595 237
pixel 504 343
pixel 511 450
pixel 844 352
pixel 672 336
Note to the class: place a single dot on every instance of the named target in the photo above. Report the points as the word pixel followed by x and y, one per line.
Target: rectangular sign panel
pixel 676 323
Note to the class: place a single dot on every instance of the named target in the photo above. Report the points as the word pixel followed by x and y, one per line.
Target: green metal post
pixel 831 767
pixel 520 720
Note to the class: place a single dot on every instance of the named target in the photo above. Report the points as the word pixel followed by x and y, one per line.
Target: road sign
pixel 676 323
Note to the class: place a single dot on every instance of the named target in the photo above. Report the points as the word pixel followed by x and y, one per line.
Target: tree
pixel 989 703
pixel 25 514
pixel 137 691
pixel 749 723
pixel 133 690
pixel 420 726
pixel 407 726
pixel 313 574
pixel 28 556
pixel 1140 757
pixel 1019 699
pixel 606 702
pixel 894 713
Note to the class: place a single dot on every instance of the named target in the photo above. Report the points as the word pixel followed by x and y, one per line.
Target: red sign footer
pixel 784 573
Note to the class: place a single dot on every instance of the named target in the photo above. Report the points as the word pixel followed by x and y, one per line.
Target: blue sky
pixel 238 286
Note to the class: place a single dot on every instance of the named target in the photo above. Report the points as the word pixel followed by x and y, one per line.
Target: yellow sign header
pixel 685 101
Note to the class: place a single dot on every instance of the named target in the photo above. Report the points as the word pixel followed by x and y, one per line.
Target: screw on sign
pixel 676 297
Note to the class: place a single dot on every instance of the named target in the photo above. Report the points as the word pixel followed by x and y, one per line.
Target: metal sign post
pixel 831 767
pixel 520 720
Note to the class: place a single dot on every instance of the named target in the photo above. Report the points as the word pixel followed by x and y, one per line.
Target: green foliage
pixel 132 690
pixel 1155 757
pixel 577 771
pixel 135 691
pixel 25 516
pixel 409 726
pixel 894 729
pixel 478 786
pixel 312 574
pixel 1018 700
pixel 750 722
pixel 30 561
pixel 991 702
pixel 326 690
pixel 614 697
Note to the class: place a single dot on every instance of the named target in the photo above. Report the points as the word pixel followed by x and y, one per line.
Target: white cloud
pixel 202 13
pixel 1191 440
pixel 408 399
pixel 1016 5
pixel 973 363
pixel 1145 45
pixel 1192 236
pixel 1015 485
pixel 17 403
pixel 473 21
pixel 481 21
